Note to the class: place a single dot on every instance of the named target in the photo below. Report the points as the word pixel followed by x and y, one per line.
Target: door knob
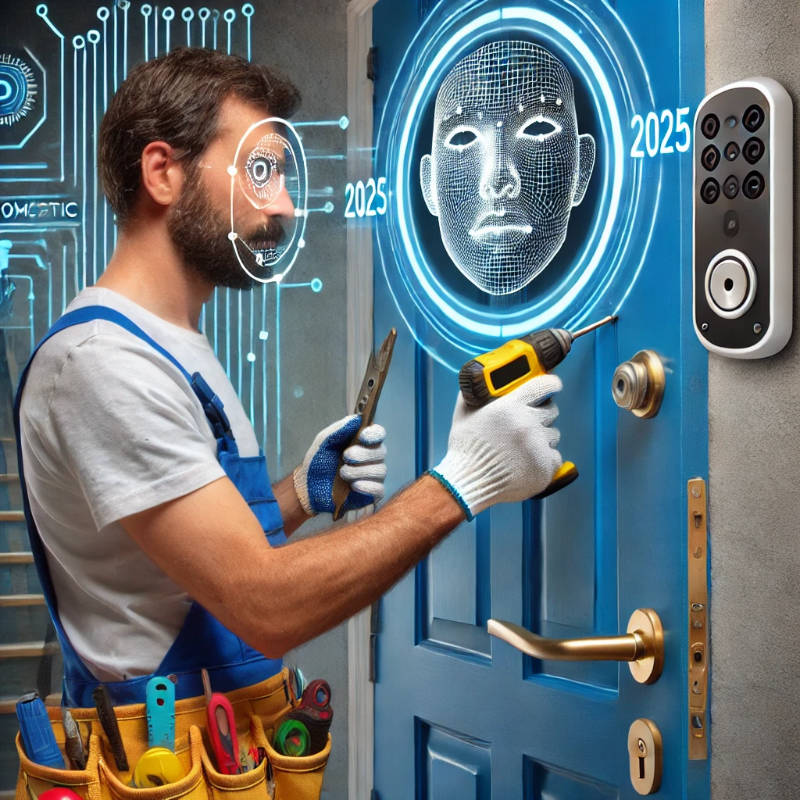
pixel 642 646
pixel 638 384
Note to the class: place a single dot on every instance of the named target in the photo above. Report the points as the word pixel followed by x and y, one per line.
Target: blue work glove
pixel 364 466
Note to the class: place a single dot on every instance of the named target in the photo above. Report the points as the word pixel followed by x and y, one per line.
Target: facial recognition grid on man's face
pixel 506 167
pixel 266 174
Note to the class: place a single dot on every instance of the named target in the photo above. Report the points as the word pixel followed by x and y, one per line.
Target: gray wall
pixel 754 445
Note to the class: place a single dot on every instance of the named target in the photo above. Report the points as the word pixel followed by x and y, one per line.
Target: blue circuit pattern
pixel 57 231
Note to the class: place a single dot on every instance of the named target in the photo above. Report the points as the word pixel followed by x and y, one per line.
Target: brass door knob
pixel 638 384
pixel 642 646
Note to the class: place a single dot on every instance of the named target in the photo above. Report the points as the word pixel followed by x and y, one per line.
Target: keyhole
pixel 641 768
pixel 728 284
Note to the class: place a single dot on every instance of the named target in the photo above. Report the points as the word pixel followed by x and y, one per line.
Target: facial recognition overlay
pixel 269 168
pixel 507 163
pixel 514 203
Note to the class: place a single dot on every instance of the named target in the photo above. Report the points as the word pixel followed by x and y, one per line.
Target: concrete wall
pixel 754 441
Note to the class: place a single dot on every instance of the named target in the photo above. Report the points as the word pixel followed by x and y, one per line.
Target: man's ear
pixel 162 175
pixel 586 153
pixel 426 182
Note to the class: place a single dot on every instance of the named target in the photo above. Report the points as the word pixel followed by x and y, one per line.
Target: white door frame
pixel 360 723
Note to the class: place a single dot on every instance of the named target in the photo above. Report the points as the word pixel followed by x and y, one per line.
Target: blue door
pixel 537 159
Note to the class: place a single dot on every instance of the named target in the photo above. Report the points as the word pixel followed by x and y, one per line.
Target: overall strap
pixel 212 406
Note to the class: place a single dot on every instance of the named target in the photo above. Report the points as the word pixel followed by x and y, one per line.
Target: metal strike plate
pixel 698 619
pixel 645 751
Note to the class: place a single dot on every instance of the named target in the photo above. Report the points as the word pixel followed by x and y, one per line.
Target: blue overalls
pixel 202 642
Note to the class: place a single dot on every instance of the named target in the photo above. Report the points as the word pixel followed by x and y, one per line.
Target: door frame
pixel 360 690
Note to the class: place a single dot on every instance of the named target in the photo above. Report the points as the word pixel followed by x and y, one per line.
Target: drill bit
pixel 589 328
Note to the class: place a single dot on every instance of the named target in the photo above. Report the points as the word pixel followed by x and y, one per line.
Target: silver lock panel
pixel 730 284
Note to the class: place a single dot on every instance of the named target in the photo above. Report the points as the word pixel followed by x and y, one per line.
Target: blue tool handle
pixel 37 733
pixel 160 700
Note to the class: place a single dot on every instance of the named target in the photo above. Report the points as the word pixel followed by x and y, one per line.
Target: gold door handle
pixel 642 646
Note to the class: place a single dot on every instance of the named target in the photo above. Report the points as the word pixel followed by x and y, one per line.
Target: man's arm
pixel 291 510
pixel 278 598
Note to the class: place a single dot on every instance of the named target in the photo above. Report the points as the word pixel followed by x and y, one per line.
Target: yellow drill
pixel 500 371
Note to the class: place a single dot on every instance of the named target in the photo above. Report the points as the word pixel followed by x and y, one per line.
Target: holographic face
pixel 507 163
pixel 268 173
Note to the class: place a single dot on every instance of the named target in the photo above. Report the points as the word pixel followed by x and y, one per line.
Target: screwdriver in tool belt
pixel 498 372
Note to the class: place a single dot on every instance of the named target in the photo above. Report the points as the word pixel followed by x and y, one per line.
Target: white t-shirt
pixel 111 427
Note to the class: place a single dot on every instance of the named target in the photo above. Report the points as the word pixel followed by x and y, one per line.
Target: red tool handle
pixel 222 732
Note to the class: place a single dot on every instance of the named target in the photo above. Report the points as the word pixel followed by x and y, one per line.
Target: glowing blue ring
pixel 229 15
pixel 146 10
pixel 93 36
pixel 41 10
pixel 506 14
pixel 103 13
pixel 13 89
pixel 78 42
pixel 168 13
pixel 248 9
pixel 187 15
pixel 404 238
pixel 204 14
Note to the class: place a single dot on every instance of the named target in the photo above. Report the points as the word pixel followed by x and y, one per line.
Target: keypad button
pixel 709 191
pixel 753 118
pixel 753 149
pixel 753 185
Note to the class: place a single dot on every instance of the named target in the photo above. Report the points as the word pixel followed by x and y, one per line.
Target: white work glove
pixel 364 466
pixel 504 451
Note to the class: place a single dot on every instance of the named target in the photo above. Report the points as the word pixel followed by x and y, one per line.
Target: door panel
pixel 460 713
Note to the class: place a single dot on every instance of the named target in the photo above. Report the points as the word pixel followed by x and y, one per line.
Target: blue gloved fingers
pixel 339 434
pixel 358 454
pixel 372 435
pixel 313 479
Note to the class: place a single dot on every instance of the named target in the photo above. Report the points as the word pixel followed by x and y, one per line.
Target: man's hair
pixel 176 98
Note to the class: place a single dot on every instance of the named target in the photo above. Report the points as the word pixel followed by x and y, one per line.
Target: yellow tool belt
pixel 257 709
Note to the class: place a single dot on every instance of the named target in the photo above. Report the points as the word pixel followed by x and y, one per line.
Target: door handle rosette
pixel 642 646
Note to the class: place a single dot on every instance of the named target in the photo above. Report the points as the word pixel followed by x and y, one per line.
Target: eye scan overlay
pixel 507 163
pixel 268 171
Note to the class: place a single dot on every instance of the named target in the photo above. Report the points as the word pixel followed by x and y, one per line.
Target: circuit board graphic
pixel 56 229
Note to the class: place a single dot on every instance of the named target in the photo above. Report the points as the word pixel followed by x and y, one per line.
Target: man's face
pixel 200 222
pixel 507 163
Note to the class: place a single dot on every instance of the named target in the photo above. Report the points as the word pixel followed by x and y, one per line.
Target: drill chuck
pixel 551 346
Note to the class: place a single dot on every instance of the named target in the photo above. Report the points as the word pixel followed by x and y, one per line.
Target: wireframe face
pixel 507 163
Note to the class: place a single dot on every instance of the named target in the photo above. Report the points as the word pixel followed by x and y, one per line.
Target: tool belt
pixel 257 709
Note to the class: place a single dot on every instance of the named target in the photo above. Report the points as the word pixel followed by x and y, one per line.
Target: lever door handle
pixel 642 646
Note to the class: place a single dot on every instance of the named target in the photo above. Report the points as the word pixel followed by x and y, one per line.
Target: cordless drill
pixel 500 371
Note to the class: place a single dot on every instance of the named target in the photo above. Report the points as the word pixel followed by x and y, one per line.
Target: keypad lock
pixel 742 219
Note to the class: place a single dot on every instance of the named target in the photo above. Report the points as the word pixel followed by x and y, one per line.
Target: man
pixel 151 516
pixel 507 163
